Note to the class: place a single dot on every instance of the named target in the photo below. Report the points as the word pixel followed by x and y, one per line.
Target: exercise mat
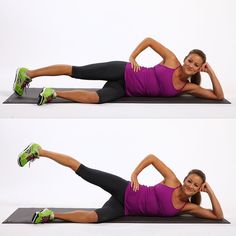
pixel 31 97
pixel 24 216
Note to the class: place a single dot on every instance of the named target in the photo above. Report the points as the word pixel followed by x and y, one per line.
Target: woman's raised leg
pixel 53 70
pixel 35 151
pixel 113 184
pixel 62 159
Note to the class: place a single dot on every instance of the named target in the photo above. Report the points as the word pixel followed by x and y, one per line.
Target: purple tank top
pixel 151 82
pixel 150 201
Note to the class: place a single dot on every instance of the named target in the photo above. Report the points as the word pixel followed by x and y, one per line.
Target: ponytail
pixel 196 78
pixel 196 199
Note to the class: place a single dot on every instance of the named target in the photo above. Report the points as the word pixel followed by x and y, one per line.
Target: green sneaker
pixel 46 95
pixel 21 81
pixel 29 154
pixel 43 216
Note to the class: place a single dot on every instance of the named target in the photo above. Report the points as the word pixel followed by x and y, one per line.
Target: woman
pixel 168 198
pixel 168 78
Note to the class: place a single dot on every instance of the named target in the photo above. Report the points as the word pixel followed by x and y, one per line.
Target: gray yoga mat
pixel 24 216
pixel 31 97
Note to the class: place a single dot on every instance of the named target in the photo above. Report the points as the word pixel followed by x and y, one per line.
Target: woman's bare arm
pixel 165 171
pixel 164 52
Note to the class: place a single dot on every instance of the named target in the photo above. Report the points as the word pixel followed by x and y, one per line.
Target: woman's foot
pixel 21 81
pixel 46 95
pixel 29 154
pixel 43 216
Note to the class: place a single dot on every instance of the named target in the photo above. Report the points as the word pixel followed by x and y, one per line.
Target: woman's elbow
pixel 148 40
pixel 151 157
pixel 215 96
pixel 220 97
pixel 221 217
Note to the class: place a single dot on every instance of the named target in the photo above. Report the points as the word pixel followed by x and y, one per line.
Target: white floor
pixel 216 155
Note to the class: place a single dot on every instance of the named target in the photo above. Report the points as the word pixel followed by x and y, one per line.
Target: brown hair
pixel 196 78
pixel 196 198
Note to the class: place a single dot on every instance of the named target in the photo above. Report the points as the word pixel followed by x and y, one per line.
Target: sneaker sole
pixel 16 76
pixel 35 216
pixel 40 98
pixel 18 160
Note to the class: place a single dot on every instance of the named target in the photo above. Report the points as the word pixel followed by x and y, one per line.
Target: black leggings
pixel 112 72
pixel 113 184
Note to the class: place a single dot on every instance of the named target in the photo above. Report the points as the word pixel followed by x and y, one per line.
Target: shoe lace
pixel 50 98
pixel 26 87
pixel 45 219
pixel 31 159
pixel 25 84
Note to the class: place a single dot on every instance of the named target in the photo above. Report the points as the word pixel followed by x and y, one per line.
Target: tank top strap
pixel 177 67
pixel 183 205
pixel 178 186
pixel 183 86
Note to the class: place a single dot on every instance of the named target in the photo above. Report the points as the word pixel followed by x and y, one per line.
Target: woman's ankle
pixel 30 74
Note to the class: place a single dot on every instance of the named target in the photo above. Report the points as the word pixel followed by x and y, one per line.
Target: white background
pixel 42 32
pixel 116 146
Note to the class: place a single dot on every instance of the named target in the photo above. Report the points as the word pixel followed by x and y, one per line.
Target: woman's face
pixel 192 64
pixel 192 184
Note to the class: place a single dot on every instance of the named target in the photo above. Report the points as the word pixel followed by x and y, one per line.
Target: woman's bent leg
pixel 79 96
pixel 111 91
pixel 110 210
pixel 79 216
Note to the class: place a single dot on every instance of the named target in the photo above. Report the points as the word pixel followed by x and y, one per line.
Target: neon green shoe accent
pixel 46 95
pixel 21 81
pixel 29 154
pixel 43 216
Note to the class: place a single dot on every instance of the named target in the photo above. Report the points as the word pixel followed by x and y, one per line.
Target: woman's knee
pixel 66 69
pixel 69 70
pixel 92 98
pixel 92 217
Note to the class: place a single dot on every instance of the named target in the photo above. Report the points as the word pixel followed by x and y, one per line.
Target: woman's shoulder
pixel 171 62
pixel 172 183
